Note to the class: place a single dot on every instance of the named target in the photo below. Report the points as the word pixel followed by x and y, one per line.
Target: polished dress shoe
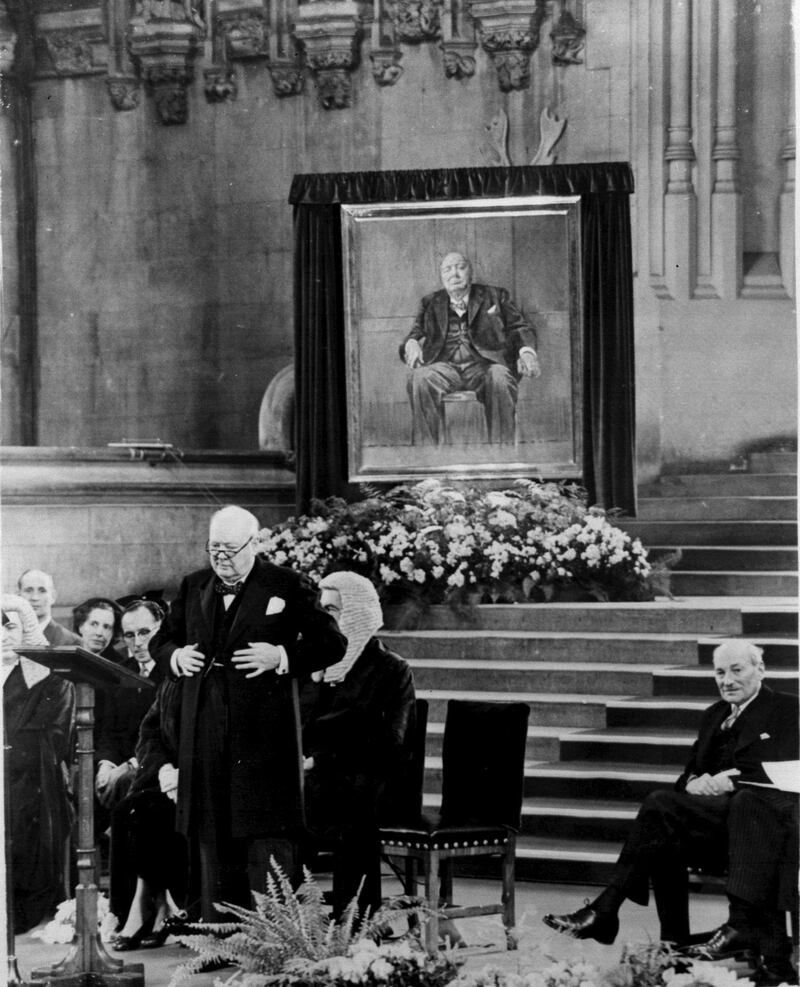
pixel 586 923
pixel 124 944
pixel 726 943
pixel 156 938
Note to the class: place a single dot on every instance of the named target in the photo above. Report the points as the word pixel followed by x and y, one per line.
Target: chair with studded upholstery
pixel 483 758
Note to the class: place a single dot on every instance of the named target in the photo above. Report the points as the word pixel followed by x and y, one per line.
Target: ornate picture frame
pixel 526 294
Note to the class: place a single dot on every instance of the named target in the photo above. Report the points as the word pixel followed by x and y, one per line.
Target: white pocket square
pixel 275 605
pixel 492 310
pixel 764 736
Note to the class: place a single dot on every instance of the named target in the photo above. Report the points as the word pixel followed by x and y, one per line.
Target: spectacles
pixel 219 552
pixel 143 632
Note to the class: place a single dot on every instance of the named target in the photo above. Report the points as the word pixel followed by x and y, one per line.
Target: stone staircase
pixel 616 690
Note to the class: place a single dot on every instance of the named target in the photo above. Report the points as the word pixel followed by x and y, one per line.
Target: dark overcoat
pixel 279 606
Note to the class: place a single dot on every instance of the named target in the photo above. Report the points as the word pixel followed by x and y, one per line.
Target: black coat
pixel 767 731
pixel 121 714
pixel 263 735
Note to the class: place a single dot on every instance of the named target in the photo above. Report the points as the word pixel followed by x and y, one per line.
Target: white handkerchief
pixel 275 605
pixel 764 736
pixel 492 310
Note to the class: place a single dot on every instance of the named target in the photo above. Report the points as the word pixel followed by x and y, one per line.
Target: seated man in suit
pixel 722 801
pixel 38 589
pixel 467 337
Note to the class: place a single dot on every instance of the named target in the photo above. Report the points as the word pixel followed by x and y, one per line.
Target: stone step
pixel 769 619
pixel 523 646
pixel 659 617
pixel 722 485
pixel 748 558
pixel 772 462
pixel 781 652
pixel 698 682
pixel 743 508
pixel 546 709
pixel 734 583
pixel 551 677
pixel 637 745
pixel 674 712
pixel 679 533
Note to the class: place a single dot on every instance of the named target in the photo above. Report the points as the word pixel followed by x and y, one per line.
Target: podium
pixel 87 964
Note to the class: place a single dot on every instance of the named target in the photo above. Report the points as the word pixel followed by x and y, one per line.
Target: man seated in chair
pixel 723 799
pixel 358 720
pixel 467 337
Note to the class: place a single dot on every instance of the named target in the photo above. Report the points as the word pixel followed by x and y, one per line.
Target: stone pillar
pixel 787 233
pixel 680 203
pixel 726 200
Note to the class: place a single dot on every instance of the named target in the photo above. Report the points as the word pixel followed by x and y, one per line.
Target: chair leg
pixel 432 898
pixel 446 894
pixel 509 913
pixel 410 876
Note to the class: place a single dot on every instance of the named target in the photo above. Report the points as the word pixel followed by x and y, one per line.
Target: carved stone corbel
pixel 124 90
pixel 219 83
pixel 458 59
pixel 330 31
pixel 509 33
pixel 415 20
pixel 567 37
pixel 244 33
pixel 287 76
pixel 386 67
pixel 71 42
pixel 164 50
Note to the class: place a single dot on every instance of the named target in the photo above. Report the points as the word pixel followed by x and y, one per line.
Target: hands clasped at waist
pixel 258 657
pixel 718 784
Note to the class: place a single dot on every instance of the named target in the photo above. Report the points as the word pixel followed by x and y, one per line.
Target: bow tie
pixel 227 590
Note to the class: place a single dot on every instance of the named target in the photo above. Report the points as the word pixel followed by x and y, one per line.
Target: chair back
pixel 402 801
pixel 483 762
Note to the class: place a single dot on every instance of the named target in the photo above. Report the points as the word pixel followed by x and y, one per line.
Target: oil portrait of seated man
pixel 467 337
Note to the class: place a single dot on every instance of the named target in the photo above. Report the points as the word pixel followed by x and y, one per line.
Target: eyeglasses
pixel 220 552
pixel 143 633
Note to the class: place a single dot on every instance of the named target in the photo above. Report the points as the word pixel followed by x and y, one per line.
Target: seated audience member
pixel 39 715
pixel 124 709
pixel 96 621
pixel 149 863
pixel 358 720
pixel 721 802
pixel 38 589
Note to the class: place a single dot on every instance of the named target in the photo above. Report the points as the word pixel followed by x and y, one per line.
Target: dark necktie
pixel 227 589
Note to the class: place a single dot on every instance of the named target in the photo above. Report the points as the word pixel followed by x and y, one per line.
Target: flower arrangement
pixel 289 940
pixel 448 544
pixel 61 928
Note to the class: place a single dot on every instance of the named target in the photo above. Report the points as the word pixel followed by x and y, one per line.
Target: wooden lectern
pixel 87 964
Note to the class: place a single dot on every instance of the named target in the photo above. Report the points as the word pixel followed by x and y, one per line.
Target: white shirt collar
pixel 32 671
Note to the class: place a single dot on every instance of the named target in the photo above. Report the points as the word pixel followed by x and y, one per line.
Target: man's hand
pixel 308 763
pixel 258 657
pixel 528 364
pixel 413 353
pixel 187 660
pixel 717 784
pixel 111 777
pixel 168 781
pixel 103 775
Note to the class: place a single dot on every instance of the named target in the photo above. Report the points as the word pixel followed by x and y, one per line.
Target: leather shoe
pixel 586 923
pixel 726 943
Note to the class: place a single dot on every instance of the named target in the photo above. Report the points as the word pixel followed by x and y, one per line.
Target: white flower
pixel 456 579
pixel 381 969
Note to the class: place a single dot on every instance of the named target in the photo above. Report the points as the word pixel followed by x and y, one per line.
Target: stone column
pixel 787 251
pixel 680 203
pixel 726 200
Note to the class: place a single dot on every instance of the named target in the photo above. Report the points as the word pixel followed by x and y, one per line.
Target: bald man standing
pixel 467 337
pixel 38 589
pixel 725 813
pixel 238 635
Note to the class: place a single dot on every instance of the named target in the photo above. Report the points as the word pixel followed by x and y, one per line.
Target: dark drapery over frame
pixel 608 384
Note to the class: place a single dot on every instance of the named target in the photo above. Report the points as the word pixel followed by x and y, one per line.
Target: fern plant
pixel 289 932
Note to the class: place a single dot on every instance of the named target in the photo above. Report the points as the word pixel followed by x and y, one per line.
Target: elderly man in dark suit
pixel 467 337
pixel 724 810
pixel 238 635
pixel 38 589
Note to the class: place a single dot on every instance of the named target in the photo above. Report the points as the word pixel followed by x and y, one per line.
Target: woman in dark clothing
pixel 96 622
pixel 39 715
pixel 151 886
pixel 357 724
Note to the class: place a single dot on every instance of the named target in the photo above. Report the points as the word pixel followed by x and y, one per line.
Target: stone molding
pixel 71 43
pixel 509 33
pixel 164 51
pixel 330 33
pixel 415 20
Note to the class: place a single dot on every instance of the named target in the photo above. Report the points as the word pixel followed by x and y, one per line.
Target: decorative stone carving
pixel 164 49
pixel 8 44
pixel 415 20
pixel 329 31
pixel 551 128
pixel 124 91
pixel 71 52
pixel 568 41
pixel 509 33
pixel 495 148
pixel 287 77
pixel 386 67
pixel 246 35
pixel 458 59
pixel 219 83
